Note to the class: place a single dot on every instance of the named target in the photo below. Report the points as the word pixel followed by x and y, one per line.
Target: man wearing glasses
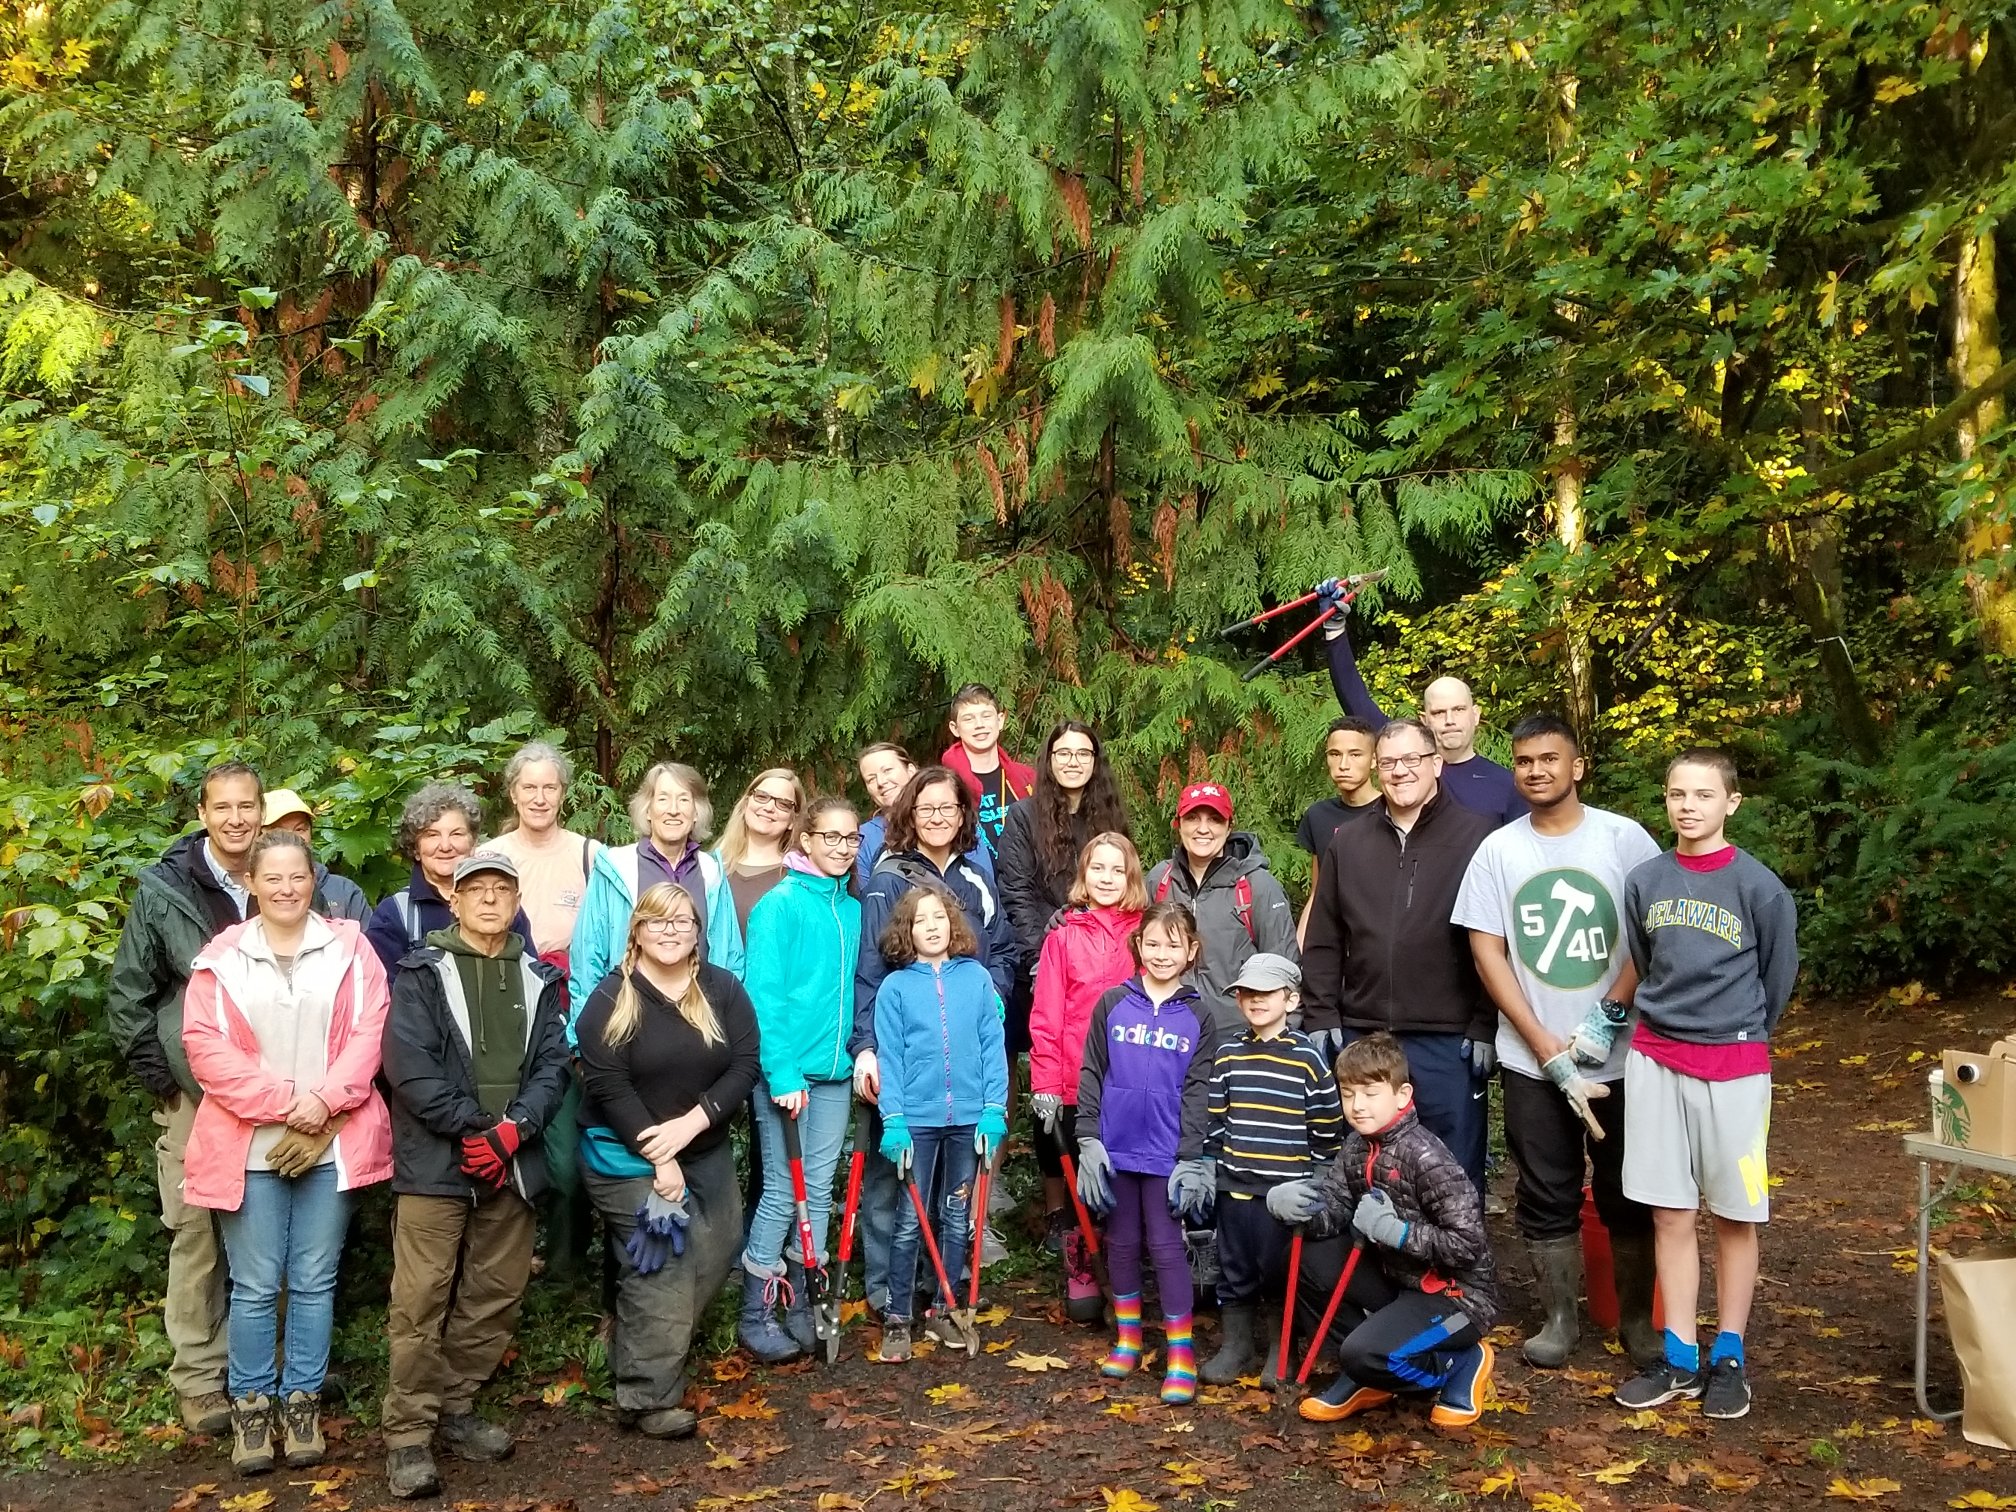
pixel 1380 952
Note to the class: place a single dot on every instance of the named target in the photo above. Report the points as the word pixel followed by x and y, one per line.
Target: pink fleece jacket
pixel 1084 955
pixel 240 1093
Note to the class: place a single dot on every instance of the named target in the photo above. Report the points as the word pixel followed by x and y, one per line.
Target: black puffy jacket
pixel 1446 1250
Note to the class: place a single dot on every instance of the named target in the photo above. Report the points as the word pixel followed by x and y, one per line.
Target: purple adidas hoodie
pixel 1146 1079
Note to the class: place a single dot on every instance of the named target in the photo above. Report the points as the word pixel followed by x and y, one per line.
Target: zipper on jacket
pixel 944 1038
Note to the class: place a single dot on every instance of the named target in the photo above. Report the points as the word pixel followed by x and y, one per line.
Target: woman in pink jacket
pixel 1085 953
pixel 282 1023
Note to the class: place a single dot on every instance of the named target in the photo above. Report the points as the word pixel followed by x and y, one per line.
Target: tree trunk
pixel 1579 668
pixel 1977 352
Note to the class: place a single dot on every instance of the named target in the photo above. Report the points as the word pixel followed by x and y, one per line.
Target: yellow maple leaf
pixel 1554 1501
pixel 993 1317
pixel 1643 1422
pixel 1037 1364
pixel 1617 1474
pixel 1502 1480
pixel 1868 1490
pixel 1988 1501
pixel 999 1346
pixel 1125 1500
pixel 250 1501
pixel 751 1404
pixel 1187 1475
pixel 948 1393
pixel 1359 1442
pixel 838 1501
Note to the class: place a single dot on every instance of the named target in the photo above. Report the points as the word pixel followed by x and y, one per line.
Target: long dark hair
pixel 902 834
pixel 1099 805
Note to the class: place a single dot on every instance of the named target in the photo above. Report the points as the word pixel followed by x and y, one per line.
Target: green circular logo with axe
pixel 1565 928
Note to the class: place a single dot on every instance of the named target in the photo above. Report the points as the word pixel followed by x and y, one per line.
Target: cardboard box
pixel 1978 1110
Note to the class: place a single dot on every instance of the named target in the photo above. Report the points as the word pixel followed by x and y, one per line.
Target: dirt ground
pixel 1830 1350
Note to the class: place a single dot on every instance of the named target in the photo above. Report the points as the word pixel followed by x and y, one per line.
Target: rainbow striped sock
pixel 1126 1356
pixel 1179 1385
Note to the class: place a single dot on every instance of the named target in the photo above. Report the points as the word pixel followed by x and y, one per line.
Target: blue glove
pixel 992 1130
pixel 896 1146
pixel 1295 1202
pixel 1593 1037
pixel 1095 1176
pixel 1193 1187
pixel 660 1232
pixel 1330 593
pixel 1377 1221
pixel 1483 1057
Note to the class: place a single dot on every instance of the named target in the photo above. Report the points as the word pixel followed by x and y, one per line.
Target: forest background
pixel 387 381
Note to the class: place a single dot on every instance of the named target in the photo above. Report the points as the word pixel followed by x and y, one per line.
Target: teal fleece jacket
pixel 798 963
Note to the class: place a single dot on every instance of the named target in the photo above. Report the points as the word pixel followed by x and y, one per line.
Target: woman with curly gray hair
pixel 437 828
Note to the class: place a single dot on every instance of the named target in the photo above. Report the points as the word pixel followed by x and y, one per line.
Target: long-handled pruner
pixel 962 1319
pixel 981 1184
pixel 1284 1356
pixel 1346 592
pixel 1085 1228
pixel 857 1164
pixel 1329 1313
pixel 825 1313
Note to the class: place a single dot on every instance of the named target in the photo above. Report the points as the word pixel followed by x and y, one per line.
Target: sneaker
pixel 1727 1394
pixel 252 1434
pixel 999 1199
pixel 301 1430
pixel 1464 1391
pixel 467 1436
pixel 207 1412
pixel 1661 1384
pixel 992 1250
pixel 943 1327
pixel 895 1341
pixel 410 1472
pixel 1342 1399
pixel 667 1423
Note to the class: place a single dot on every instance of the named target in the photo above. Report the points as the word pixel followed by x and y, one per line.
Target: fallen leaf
pixel 993 1317
pixel 1617 1474
pixel 559 1391
pixel 1503 1480
pixel 1867 1490
pixel 999 1346
pixel 1554 1501
pixel 731 1367
pixel 1037 1364
pixel 1125 1500
pixel 1986 1500
pixel 193 1495
pixel 250 1501
pixel 919 1475
pixel 751 1404
pixel 948 1393
pixel 1358 1442
pixel 638 1485
pixel 838 1501
pixel 30 1416
pixel 849 1311
pixel 1187 1475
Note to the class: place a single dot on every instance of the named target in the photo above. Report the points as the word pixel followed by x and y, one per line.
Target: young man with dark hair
pixel 198 889
pixel 1541 903
pixel 1715 937
pixel 1347 752
pixel 1380 952
pixel 994 778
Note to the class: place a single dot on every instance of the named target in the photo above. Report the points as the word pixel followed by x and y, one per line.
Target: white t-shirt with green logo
pixel 1554 900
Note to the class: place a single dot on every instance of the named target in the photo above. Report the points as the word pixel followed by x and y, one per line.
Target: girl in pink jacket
pixel 283 1022
pixel 1085 952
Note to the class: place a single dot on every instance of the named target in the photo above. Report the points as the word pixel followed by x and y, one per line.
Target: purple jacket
pixel 1146 1079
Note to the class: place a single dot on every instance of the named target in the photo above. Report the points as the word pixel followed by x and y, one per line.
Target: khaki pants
pixel 194 1311
pixel 458 1275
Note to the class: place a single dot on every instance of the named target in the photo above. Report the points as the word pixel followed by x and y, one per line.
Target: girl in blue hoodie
pixel 804 938
pixel 944 1093
pixel 1143 1096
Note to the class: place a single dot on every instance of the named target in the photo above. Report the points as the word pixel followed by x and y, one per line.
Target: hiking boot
pixel 410 1472
pixel 468 1437
pixel 895 1348
pixel 207 1412
pixel 302 1443
pixel 1557 1276
pixel 667 1423
pixel 1637 1273
pixel 757 1327
pixel 252 1434
pixel 1341 1399
pixel 1465 1389
pixel 799 1324
pixel 1727 1394
pixel 1237 1353
pixel 1663 1383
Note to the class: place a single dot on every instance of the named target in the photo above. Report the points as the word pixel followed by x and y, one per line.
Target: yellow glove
pixel 297 1154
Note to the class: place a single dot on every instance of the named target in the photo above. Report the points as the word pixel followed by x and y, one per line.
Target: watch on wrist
pixel 1615 1011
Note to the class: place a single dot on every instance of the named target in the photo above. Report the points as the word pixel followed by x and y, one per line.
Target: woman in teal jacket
pixel 804 938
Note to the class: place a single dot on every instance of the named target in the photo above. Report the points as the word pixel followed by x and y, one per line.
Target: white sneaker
pixel 1000 1200
pixel 992 1250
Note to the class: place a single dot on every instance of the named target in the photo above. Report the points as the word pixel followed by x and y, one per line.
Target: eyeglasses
pixel 936 811
pixel 673 927
pixel 1073 758
pixel 493 892
pixel 1405 763
pixel 770 801
pixel 837 839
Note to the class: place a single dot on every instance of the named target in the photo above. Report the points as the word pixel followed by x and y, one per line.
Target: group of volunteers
pixel 540 1027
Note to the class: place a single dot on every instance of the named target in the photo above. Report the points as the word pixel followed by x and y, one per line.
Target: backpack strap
pixel 1242 906
pixel 1162 887
pixel 409 915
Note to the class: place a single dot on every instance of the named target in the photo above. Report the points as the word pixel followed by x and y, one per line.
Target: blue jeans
pixel 291 1232
pixel 944 1166
pixel 822 1127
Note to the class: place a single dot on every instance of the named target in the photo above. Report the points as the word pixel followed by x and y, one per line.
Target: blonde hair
pixel 734 846
pixel 667 900
pixel 1135 898
pixel 687 778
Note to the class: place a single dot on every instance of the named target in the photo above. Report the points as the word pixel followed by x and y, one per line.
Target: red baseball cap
pixel 1205 795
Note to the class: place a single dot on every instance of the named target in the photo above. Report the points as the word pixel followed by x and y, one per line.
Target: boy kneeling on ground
pixel 1423 1293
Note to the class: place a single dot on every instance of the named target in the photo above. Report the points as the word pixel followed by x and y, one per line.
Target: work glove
pixel 660 1232
pixel 1483 1057
pixel 993 1128
pixel 1577 1088
pixel 1295 1202
pixel 1193 1187
pixel 1329 1043
pixel 1330 594
pixel 1376 1220
pixel 297 1154
pixel 867 1076
pixel 1048 1108
pixel 1593 1037
pixel 896 1146
pixel 1095 1176
pixel 486 1157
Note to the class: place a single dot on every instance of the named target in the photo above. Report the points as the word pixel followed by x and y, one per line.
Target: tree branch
pixel 1846 473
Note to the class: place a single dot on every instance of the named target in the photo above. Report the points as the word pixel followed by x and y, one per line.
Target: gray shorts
pixel 1685 1138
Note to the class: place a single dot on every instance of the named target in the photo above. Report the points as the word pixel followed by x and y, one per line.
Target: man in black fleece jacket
pixel 1380 952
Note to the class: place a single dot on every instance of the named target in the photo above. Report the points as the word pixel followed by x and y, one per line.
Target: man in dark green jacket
pixel 190 895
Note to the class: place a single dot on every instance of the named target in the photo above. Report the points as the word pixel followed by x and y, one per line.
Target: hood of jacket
pixel 1021 777
pixel 1241 857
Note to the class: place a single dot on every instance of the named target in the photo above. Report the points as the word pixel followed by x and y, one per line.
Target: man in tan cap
pixel 336 897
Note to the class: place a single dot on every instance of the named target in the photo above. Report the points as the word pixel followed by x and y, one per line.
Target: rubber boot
pixel 1637 1273
pixel 1557 1276
pixel 1270 1368
pixel 798 1320
pixel 757 1328
pixel 1238 1353
pixel 1083 1300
